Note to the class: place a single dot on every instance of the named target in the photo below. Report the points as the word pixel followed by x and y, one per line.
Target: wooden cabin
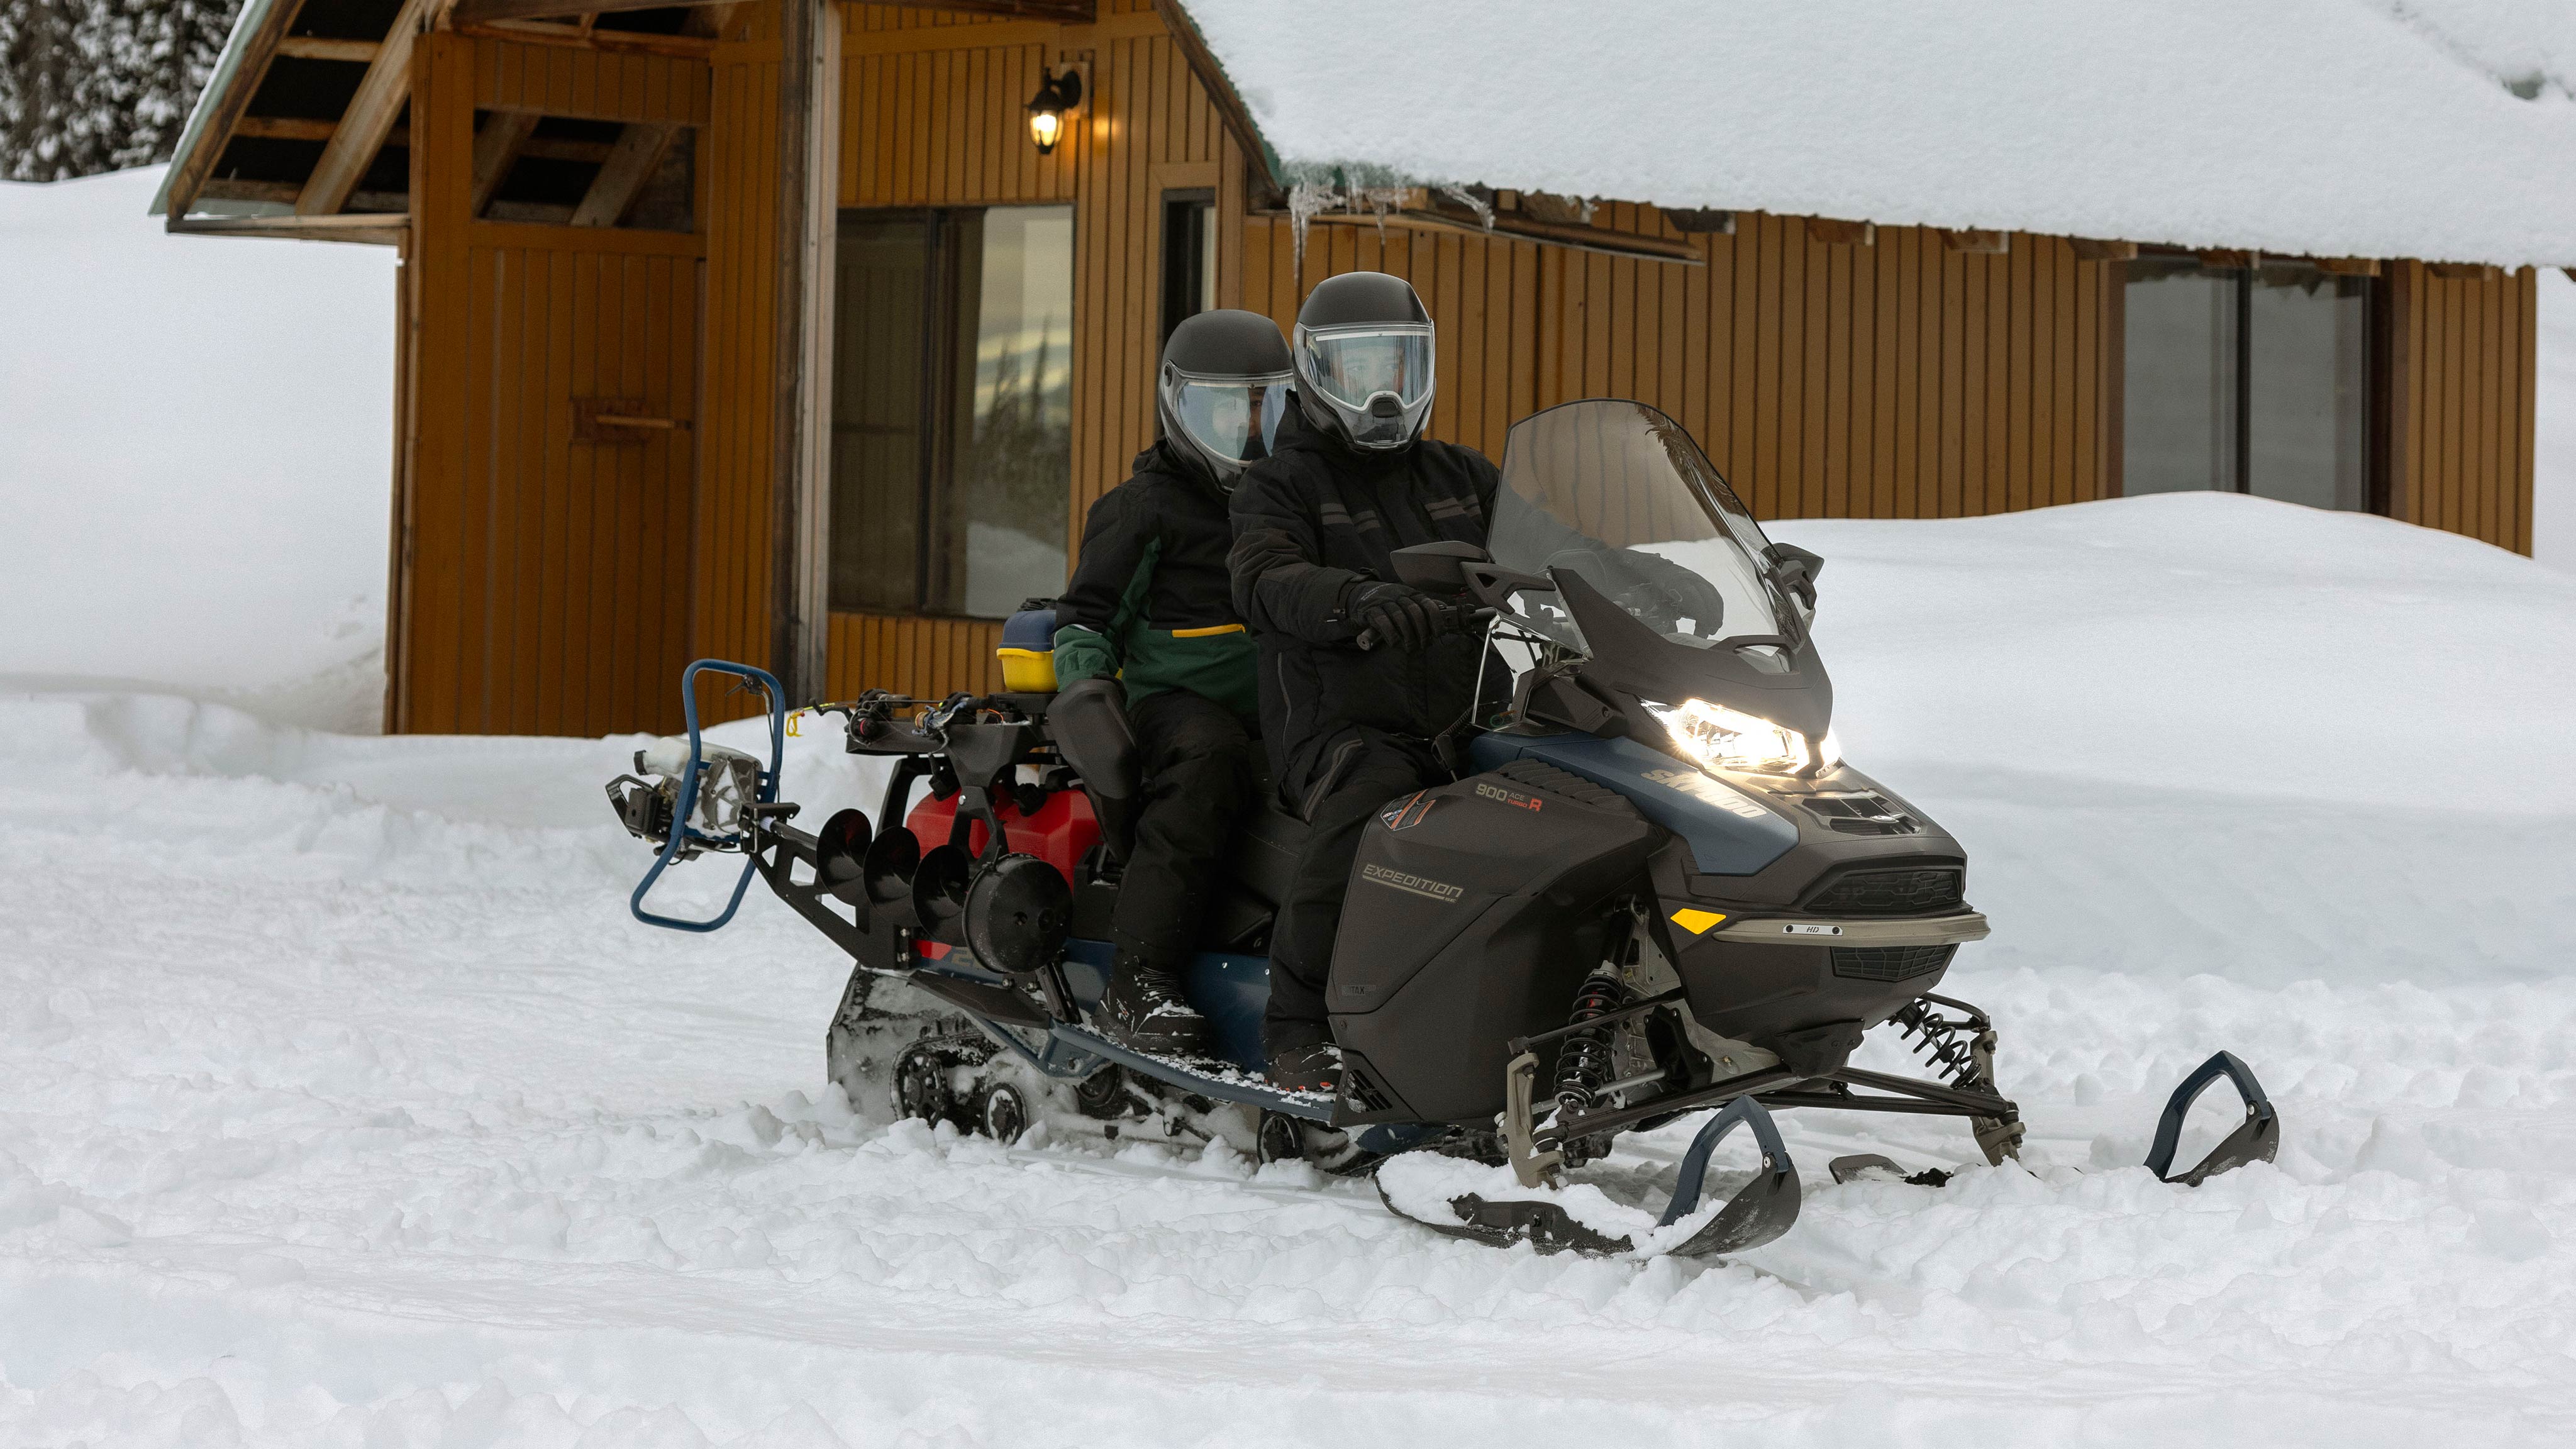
pixel 767 331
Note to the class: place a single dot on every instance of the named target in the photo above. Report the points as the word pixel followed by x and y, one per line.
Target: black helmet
pixel 1364 360
pixel 1222 390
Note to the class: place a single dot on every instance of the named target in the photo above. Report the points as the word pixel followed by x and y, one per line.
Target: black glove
pixel 1394 616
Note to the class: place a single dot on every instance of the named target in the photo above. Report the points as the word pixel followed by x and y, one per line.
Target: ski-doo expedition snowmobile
pixel 1654 889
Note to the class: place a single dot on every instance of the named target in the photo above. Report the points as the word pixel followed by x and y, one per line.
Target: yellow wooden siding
pixel 738 162
pixel 934 114
pixel 1894 379
pixel 546 576
pixel 2463 351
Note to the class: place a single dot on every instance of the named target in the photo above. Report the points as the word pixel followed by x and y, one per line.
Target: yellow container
pixel 1027 671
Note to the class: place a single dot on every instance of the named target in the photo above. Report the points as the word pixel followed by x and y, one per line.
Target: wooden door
pixel 555 373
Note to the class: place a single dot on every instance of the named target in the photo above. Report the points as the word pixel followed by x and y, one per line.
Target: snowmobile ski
pixel 1555 1215
pixel 2256 1139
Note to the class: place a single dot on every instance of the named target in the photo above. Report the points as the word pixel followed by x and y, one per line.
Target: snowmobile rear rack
pixel 733 833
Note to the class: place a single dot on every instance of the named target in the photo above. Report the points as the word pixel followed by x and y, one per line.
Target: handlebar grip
pixel 1365 639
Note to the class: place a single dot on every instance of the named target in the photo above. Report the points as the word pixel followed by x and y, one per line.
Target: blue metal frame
pixel 681 832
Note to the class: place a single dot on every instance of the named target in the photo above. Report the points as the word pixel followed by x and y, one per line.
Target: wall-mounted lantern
pixel 1052 107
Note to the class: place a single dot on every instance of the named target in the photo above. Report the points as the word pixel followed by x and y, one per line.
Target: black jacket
pixel 1150 601
pixel 1311 521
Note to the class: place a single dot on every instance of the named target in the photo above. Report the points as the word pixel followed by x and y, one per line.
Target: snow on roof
pixel 2438 129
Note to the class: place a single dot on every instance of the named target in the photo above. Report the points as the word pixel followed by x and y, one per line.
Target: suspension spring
pixel 1948 1046
pixel 1583 1061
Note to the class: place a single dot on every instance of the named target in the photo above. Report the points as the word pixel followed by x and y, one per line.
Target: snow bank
pixel 2205 732
pixel 2326 127
pixel 194 449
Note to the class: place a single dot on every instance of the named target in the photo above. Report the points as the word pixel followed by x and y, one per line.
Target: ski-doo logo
pixel 1701 787
pixel 1509 797
pixel 1419 885
pixel 1406 813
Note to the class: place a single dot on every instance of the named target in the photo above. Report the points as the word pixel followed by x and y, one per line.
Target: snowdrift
pixel 2209 733
pixel 195 446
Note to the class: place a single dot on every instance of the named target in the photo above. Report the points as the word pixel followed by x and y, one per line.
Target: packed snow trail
pixel 347 1106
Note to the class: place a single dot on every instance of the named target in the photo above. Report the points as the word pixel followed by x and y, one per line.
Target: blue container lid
pixel 1032 627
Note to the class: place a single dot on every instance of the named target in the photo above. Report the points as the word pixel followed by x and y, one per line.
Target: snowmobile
pixel 1654 889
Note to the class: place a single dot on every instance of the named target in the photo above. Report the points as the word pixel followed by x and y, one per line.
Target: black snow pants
pixel 1364 772
pixel 1196 760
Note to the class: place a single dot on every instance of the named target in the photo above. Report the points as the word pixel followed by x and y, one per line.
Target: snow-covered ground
pixel 342 1104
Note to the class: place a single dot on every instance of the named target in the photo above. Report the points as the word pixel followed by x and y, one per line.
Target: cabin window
pixel 2248 380
pixel 1189 256
pixel 952 415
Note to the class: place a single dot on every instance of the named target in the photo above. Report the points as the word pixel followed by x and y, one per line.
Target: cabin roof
pixel 2437 129
pixel 299 130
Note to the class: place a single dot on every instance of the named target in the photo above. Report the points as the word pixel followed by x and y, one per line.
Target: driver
pixel 1348 727
pixel 1150 608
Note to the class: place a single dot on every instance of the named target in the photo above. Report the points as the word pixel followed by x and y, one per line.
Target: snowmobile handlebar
pixel 683 835
pixel 1463 620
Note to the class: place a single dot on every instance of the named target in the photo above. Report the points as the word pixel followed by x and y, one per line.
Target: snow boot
pixel 1303 1061
pixel 1143 1009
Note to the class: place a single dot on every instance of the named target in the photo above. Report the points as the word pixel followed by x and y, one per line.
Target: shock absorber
pixel 1946 1046
pixel 1962 1052
pixel 1583 1060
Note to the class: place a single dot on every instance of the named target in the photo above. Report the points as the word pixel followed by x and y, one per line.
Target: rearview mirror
pixel 1437 567
pixel 1796 569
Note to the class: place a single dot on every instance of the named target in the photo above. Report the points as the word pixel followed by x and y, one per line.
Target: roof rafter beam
pixel 369 117
pixel 496 147
pixel 629 165
pixel 316 47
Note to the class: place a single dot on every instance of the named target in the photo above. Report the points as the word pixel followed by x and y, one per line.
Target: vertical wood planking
pixel 518 571
pixel 2463 357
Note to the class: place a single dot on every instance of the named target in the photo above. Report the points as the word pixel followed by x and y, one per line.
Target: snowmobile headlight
pixel 1715 737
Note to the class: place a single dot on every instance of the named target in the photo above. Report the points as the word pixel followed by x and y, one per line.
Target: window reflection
pixel 2308 412
pixel 1005 526
pixel 2247 380
pixel 952 409
pixel 2181 369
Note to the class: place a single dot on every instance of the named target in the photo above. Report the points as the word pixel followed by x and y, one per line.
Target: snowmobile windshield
pixel 1235 419
pixel 1618 494
pixel 1353 365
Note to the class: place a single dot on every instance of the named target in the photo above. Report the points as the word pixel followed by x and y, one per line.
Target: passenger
pixel 1349 728
pixel 1150 608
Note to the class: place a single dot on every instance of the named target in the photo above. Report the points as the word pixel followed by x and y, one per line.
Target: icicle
pixel 1308 199
pixel 1381 200
pixel 1484 209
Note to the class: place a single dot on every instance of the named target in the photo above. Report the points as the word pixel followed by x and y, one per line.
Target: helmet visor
pixel 1353 365
pixel 1232 419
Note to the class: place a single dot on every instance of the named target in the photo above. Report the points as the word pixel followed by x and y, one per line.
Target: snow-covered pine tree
pixel 100 85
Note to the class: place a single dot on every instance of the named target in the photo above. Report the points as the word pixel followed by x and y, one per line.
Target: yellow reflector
pixel 1696 922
